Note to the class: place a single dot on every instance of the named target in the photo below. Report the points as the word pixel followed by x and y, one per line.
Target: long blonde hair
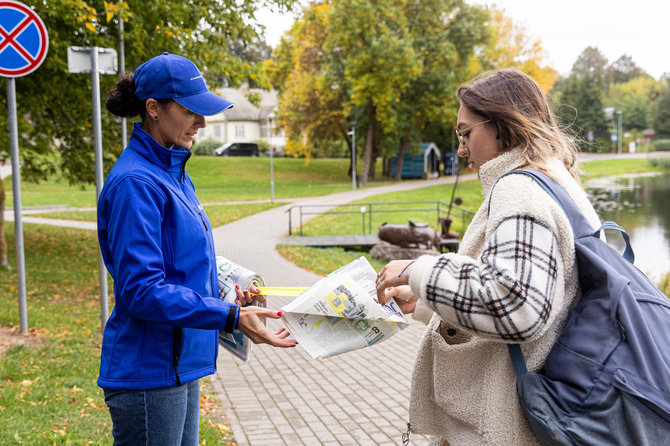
pixel 515 104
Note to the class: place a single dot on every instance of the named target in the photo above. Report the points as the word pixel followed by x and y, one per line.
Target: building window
pixel 239 131
pixel 201 133
pixel 217 131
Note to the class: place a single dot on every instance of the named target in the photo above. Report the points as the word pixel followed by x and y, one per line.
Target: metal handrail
pixel 440 207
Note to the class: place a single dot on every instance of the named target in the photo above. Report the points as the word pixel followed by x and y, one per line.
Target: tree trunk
pixel 401 157
pixel 373 156
pixel 4 263
pixel 350 145
pixel 369 143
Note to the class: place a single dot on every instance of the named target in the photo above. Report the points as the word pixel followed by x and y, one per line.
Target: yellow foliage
pixel 88 15
pixel 510 47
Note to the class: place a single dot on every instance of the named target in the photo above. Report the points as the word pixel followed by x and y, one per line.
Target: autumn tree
pixel 395 75
pixel 592 63
pixel 624 69
pixel 312 102
pixel 444 34
pixel 371 51
pixel 509 46
pixel 635 99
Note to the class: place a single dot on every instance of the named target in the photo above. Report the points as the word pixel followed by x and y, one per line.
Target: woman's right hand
pixel 250 323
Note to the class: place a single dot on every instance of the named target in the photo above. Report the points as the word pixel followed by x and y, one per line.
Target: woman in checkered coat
pixel 513 280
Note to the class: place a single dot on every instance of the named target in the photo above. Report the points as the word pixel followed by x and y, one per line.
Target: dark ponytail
pixel 121 101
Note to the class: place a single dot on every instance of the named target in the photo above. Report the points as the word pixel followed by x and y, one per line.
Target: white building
pixel 245 122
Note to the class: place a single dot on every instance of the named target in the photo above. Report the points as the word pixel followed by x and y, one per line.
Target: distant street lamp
pixel 272 172
pixel 620 130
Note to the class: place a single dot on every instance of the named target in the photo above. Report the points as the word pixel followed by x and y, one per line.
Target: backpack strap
pixel 580 228
pixel 518 362
pixel 580 225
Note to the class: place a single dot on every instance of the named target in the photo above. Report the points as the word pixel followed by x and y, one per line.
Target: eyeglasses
pixel 466 131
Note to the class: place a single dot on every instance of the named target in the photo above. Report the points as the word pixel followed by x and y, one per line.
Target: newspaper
pixel 340 313
pixel 230 274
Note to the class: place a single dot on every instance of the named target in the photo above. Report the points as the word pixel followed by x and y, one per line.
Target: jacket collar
pixel 490 171
pixel 170 160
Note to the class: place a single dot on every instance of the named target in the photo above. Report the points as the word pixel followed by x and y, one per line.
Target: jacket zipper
pixel 176 351
pixel 209 244
pixel 215 287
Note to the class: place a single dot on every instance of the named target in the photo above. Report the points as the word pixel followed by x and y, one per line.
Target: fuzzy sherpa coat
pixel 514 279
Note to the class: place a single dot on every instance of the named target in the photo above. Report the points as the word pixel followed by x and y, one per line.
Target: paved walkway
pixel 283 397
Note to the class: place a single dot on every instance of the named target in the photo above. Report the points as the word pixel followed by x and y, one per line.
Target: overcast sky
pixel 638 28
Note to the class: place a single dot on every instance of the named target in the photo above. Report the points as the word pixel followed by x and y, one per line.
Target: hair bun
pixel 122 101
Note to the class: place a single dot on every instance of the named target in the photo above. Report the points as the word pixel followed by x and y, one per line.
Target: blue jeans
pixel 161 417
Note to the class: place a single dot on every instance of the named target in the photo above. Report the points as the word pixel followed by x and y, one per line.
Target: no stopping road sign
pixel 24 41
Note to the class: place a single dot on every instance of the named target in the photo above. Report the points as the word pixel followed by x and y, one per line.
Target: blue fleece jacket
pixel 157 244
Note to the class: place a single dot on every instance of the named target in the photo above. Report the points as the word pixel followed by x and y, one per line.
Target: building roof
pixel 243 110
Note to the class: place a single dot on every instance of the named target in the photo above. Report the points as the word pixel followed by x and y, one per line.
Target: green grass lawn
pixel 218 179
pixel 323 261
pixel 68 215
pixel 49 393
pixel 469 191
pixel 218 214
pixel 621 166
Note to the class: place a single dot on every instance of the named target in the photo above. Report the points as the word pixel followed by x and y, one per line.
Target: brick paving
pixel 283 397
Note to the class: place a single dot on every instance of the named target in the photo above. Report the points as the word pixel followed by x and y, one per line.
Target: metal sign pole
pixel 122 68
pixel 97 141
pixel 16 188
pixel 24 44
pixel 96 61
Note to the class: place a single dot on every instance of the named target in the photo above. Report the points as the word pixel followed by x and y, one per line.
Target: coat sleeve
pixel 506 294
pixel 134 213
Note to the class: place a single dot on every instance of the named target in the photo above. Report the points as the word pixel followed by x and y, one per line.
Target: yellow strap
pixel 281 291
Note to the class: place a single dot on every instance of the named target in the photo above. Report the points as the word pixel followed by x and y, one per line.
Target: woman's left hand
pixel 245 297
pixel 403 296
pixel 250 322
pixel 394 274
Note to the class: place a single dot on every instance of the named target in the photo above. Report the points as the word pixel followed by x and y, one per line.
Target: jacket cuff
pixel 419 269
pixel 232 319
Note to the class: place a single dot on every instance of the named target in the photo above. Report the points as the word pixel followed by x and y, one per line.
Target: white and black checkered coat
pixel 513 280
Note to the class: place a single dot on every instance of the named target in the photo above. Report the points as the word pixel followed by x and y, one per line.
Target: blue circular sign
pixel 24 41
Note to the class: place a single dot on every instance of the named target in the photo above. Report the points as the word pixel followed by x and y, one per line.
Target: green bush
pixel 263 146
pixel 337 148
pixel 205 147
pixel 663 163
pixel 662 144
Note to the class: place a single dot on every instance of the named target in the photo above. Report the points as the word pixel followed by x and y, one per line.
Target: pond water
pixel 640 204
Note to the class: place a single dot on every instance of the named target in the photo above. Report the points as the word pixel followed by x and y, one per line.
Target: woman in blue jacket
pixel 157 245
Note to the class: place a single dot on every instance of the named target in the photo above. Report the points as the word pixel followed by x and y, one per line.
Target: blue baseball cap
pixel 169 76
